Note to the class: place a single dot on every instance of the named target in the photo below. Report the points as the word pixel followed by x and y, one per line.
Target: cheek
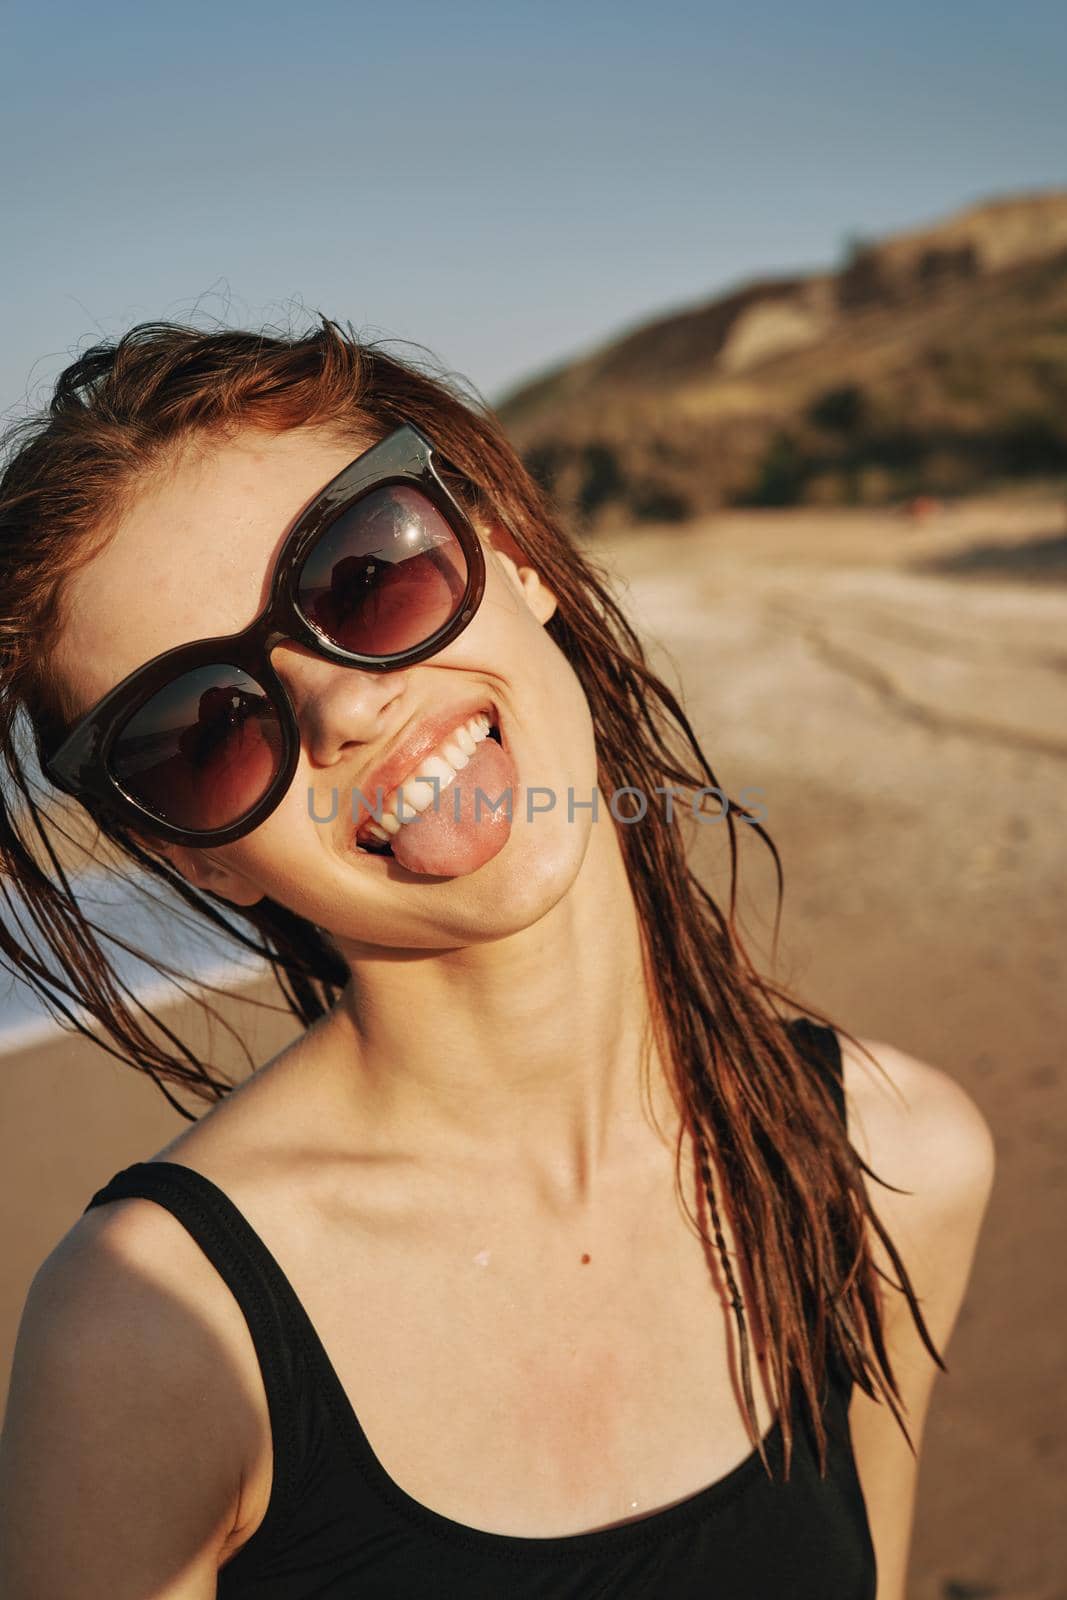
pixel 277 857
pixel 507 638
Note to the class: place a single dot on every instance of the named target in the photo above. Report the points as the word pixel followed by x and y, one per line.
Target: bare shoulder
pixel 131 1264
pixel 123 1393
pixel 932 1161
pixel 918 1130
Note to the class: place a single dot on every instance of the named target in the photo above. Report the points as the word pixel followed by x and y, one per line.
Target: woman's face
pixel 192 558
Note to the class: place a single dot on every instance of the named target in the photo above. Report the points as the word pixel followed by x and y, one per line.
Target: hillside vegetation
pixel 930 362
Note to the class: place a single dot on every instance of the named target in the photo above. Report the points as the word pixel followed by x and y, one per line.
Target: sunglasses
pixel 200 744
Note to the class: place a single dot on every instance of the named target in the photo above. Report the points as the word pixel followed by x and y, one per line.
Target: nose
pixel 337 707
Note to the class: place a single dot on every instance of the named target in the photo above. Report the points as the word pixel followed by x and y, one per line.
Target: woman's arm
pixel 921 1132
pixel 126 1432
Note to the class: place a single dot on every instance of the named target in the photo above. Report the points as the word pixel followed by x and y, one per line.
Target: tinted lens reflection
pixel 385 575
pixel 203 751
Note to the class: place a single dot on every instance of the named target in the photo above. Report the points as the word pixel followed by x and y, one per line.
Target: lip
pixel 429 732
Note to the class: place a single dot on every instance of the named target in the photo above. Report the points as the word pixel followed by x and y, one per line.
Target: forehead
pixel 192 554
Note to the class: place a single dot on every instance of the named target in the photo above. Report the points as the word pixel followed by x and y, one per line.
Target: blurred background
pixel 774 301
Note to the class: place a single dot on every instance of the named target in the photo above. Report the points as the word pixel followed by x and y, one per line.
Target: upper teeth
pixel 450 757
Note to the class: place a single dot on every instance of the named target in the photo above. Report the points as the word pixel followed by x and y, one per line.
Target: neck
pixel 531 1055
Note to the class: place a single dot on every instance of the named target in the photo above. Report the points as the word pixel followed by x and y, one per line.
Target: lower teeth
pixel 375 847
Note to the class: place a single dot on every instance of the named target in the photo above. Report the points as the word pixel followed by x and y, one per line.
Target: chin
pixel 532 874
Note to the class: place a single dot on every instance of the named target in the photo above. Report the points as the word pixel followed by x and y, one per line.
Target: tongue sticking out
pixel 442 844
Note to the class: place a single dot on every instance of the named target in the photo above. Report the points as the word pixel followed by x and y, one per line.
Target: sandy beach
pixel 896 686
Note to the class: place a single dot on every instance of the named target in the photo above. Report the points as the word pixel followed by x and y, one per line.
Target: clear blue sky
pixel 505 183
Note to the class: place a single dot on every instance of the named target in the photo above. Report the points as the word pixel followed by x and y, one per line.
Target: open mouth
pixel 370 846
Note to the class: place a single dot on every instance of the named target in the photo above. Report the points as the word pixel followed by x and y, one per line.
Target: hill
pixel 930 362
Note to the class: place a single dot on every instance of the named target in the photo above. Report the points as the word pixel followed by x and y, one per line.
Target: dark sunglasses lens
pixel 203 751
pixel 386 574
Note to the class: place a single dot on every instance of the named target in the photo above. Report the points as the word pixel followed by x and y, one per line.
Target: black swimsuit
pixel 338 1528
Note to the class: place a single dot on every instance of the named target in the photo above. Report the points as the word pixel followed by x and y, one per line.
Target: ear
pixel 529 583
pixel 204 871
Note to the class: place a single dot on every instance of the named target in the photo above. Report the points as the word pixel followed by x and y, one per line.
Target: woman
pixel 545 1261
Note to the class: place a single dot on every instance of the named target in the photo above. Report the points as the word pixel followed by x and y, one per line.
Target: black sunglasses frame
pixel 79 766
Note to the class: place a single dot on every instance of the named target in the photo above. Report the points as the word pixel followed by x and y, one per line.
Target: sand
pixel 907 725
